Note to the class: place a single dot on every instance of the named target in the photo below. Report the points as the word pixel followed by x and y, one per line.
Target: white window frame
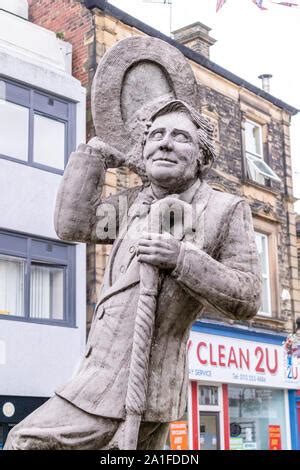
pixel 266 276
pixel 39 102
pixel 255 124
pixel 48 253
pixel 254 161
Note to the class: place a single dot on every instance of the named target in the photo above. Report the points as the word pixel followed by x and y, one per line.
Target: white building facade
pixel 42 280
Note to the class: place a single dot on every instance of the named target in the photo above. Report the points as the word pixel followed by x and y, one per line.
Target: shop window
pixel 257 418
pixel 36 279
pixel 36 128
pixel 256 168
pixel 263 251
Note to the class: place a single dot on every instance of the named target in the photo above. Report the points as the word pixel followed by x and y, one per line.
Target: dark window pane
pixel 49 250
pixel 49 105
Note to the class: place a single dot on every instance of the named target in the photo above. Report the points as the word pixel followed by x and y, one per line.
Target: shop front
pixel 243 390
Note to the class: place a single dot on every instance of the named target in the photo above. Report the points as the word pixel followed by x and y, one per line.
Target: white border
pixel 287 421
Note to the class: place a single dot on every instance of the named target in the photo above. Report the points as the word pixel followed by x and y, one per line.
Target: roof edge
pixel 189 53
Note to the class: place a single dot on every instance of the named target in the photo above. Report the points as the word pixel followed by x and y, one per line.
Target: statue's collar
pixel 147 195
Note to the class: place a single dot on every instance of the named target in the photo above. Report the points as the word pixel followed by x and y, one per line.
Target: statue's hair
pixel 204 131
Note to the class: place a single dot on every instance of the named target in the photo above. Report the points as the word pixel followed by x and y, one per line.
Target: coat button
pixel 132 249
pixel 122 269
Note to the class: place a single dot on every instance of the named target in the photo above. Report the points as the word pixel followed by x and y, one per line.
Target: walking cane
pixel 139 366
pixel 136 397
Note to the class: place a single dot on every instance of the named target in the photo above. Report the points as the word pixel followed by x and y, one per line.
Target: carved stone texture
pixel 142 83
pixel 137 74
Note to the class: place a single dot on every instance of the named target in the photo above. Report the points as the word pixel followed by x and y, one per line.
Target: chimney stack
pixel 265 81
pixel 195 36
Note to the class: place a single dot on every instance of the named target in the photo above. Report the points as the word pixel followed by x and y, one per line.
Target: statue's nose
pixel 166 143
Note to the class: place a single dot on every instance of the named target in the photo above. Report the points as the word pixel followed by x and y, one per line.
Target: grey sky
pixel 250 42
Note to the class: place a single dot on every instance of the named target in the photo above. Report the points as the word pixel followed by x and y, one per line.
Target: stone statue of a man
pixel 213 263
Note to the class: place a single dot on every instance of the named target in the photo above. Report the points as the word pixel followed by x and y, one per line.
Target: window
pixel 208 395
pixel 36 129
pixel 55 131
pixel 262 247
pixel 253 414
pixel 256 168
pixel 12 283
pixel 46 292
pixel 36 279
pixel 14 117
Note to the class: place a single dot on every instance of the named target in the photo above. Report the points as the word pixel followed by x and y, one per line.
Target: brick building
pixel 254 161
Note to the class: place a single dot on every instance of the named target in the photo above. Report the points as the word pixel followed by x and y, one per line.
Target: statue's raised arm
pixel 79 195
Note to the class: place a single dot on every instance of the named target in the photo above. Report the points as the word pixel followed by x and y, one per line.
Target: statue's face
pixel 171 151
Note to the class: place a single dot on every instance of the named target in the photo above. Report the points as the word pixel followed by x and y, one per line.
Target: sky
pixel 249 42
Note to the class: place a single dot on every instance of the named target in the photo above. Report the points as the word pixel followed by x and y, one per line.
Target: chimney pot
pixel 195 36
pixel 265 81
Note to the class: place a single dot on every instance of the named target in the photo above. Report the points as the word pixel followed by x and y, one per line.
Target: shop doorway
pixel 209 416
pixel 209 430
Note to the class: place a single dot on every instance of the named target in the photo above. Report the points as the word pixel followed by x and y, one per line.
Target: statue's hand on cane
pixel 160 250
